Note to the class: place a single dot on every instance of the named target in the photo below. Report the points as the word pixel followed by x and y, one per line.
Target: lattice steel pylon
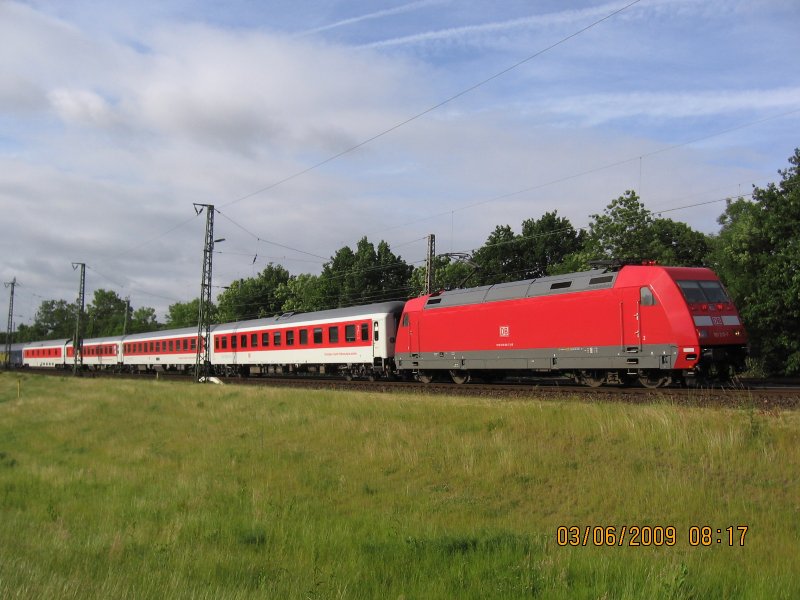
pixel 77 340
pixel 429 268
pixel 10 328
pixel 202 365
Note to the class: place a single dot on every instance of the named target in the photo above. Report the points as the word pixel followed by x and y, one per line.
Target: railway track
pixel 756 393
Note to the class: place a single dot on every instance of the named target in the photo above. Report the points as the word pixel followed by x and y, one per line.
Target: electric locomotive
pixel 642 323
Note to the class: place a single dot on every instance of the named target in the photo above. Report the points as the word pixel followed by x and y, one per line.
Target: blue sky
pixel 115 117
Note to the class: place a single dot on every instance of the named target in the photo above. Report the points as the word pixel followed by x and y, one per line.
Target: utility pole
pixel 429 268
pixel 203 358
pixel 127 310
pixel 10 328
pixel 77 341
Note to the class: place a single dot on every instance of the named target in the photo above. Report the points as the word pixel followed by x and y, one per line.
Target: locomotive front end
pixel 723 344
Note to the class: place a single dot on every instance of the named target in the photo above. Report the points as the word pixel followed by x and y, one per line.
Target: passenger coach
pixel 355 342
pixel 52 353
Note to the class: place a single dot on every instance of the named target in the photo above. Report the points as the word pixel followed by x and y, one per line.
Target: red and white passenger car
pixel 355 341
pixel 168 350
pixel 52 353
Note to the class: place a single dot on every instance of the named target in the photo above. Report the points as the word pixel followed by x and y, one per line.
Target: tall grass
pixel 154 489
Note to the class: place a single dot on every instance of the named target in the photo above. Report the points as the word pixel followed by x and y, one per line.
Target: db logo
pixel 504 331
pixel 716 320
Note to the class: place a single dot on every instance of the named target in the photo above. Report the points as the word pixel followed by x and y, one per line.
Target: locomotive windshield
pixel 703 291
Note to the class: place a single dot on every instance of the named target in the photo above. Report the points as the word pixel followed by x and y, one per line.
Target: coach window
pixel 216 342
pixel 317 335
pixel 194 344
pixel 224 342
pixel 349 333
pixel 171 346
pixel 185 344
pixel 265 339
pixel 158 346
pixel 254 340
pixel 290 337
pixel 244 340
pixel 365 332
pixel 276 338
pixel 233 342
pixel 646 297
pixel 304 337
pixel 333 334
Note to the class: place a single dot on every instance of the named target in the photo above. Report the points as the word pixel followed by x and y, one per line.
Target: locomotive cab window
pixel 714 291
pixel 646 297
pixel 697 292
pixel 349 333
pixel 405 320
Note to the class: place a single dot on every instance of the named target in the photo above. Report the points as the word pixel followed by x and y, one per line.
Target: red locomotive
pixel 647 323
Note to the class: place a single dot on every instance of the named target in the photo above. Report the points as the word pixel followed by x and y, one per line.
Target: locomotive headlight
pixel 737 333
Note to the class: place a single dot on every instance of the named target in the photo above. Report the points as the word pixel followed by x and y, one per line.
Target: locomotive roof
pixel 527 288
pixel 336 313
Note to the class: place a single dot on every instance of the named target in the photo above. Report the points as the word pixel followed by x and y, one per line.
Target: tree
pixel 184 314
pixel 757 255
pixel 498 259
pixel 364 276
pixel 301 294
pixel 626 230
pixel 253 297
pixel 55 319
pixel 143 320
pixel 449 274
pixel 545 242
pixel 105 315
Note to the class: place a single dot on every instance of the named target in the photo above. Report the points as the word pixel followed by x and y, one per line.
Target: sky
pixel 313 123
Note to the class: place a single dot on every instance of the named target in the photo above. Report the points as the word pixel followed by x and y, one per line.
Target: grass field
pixel 147 489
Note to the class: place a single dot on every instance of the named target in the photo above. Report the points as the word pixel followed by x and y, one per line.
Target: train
pixel 614 324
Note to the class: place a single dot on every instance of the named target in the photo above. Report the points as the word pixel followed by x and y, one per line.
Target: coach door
pixel 376 338
pixel 630 322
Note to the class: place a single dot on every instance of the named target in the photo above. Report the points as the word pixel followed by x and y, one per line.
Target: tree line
pixel 756 253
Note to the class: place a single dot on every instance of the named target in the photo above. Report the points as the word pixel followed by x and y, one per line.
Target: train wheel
pixel 592 379
pixel 424 377
pixel 459 377
pixel 654 379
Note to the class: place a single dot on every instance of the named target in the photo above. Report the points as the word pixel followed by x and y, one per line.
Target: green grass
pixel 143 489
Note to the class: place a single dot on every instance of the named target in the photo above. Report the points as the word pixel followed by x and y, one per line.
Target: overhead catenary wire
pixel 436 106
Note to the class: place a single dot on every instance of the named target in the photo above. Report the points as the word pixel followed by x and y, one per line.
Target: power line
pixel 260 239
pixel 434 107
pixel 572 176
